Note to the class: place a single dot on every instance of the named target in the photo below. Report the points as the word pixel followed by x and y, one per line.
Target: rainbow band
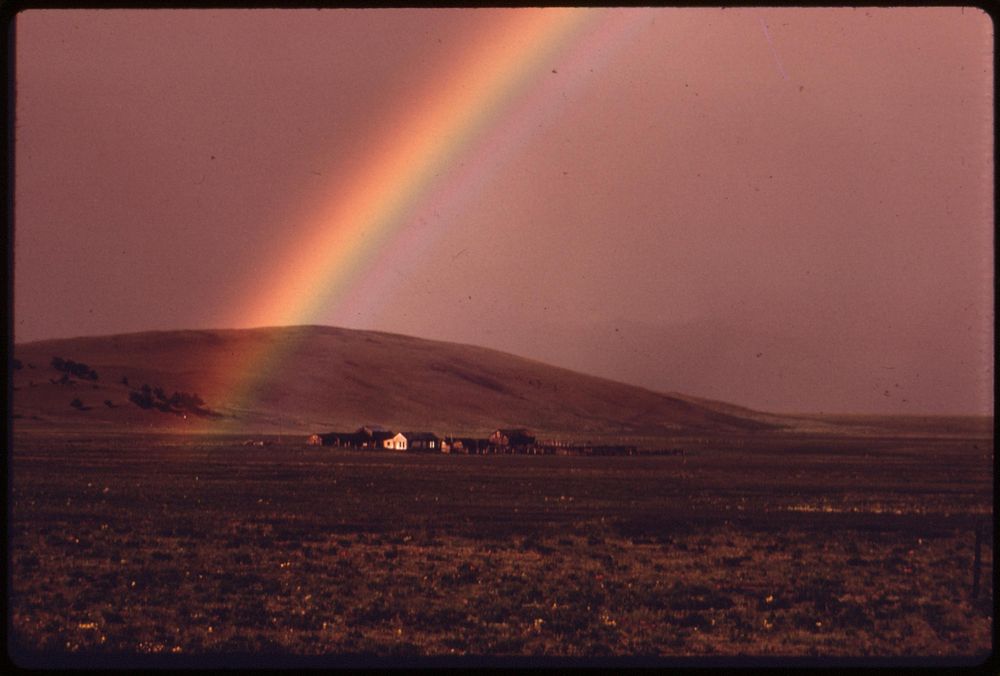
pixel 361 217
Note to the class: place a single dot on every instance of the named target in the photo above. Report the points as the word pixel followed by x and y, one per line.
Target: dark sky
pixel 789 209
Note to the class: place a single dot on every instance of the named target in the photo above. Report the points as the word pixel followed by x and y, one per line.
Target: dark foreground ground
pixel 169 548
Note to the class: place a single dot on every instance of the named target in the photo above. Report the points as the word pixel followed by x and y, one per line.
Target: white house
pixel 396 443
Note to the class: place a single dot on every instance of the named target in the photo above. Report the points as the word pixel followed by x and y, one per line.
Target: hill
pixel 309 378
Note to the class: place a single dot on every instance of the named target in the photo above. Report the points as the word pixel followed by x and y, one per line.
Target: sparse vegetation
pixel 196 547
pixel 179 403
pixel 753 542
pixel 70 367
pixel 473 389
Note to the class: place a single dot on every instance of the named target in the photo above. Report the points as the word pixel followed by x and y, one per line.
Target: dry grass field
pixel 185 551
pixel 338 379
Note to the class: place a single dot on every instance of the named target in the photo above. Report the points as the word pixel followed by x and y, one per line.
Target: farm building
pixel 511 440
pixel 502 441
pixel 342 439
pixel 376 438
pixel 477 446
pixel 464 445
pixel 423 441
pixel 364 437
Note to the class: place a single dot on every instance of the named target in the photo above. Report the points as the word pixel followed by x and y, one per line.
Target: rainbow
pixel 466 113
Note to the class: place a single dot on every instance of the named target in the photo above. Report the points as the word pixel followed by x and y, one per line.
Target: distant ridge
pixel 336 378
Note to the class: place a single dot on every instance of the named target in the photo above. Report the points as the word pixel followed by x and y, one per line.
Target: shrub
pixel 70 367
pixel 178 403
pixel 185 401
pixel 142 398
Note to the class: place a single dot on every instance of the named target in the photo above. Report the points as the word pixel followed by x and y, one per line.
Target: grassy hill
pixel 315 378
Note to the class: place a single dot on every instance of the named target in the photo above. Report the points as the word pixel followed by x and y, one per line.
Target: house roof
pixel 421 436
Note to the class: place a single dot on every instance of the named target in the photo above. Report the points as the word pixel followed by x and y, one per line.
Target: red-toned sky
pixel 789 209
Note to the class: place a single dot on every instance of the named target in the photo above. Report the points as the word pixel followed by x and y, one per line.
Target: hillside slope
pixel 312 378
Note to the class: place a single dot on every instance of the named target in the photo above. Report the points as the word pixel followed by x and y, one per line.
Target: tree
pixel 143 398
pixel 178 403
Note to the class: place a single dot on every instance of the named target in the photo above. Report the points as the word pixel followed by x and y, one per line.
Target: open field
pixel 172 548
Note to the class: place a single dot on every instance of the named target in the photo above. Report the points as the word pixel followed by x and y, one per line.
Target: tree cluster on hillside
pixel 178 403
pixel 78 369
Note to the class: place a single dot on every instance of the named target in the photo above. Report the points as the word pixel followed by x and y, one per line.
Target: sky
pixel 788 209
